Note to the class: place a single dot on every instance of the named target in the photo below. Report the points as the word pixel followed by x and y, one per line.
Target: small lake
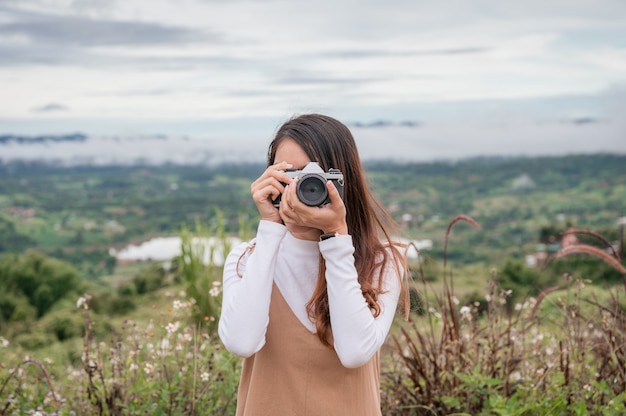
pixel 165 248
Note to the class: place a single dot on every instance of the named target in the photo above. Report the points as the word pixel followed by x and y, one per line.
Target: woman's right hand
pixel 267 188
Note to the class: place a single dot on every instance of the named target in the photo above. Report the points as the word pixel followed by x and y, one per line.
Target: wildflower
pixel 148 368
pixel 465 311
pixel 80 302
pixel 204 376
pixel 4 342
pixel 133 367
pixel 434 312
pixel 455 300
pixel 177 304
pixel 186 337
pixel 518 306
pixel 215 289
pixel 172 327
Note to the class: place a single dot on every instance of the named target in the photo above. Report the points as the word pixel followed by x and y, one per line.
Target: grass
pixel 560 353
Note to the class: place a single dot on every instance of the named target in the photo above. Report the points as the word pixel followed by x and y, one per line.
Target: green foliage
pixel 41 280
pixel 15 307
pixel 199 271
pixel 560 353
pixel 11 240
pixel 164 367
pixel 496 359
pixel 523 281
pixel 149 279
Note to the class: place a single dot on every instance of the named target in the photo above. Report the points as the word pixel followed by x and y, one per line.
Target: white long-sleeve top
pixel 293 264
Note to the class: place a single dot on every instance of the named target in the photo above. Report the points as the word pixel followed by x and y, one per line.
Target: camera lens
pixel 311 190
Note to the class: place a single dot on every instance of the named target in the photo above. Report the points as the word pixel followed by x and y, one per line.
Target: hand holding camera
pixel 313 202
pixel 311 184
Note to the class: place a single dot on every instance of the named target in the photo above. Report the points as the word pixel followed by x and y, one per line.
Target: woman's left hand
pixel 301 218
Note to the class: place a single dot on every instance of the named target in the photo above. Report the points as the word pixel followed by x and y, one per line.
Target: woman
pixel 310 301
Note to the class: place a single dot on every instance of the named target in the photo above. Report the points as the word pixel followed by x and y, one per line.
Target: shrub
pixel 165 367
pixel 511 360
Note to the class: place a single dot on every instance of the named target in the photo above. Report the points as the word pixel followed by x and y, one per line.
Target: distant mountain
pixel 384 123
pixel 8 138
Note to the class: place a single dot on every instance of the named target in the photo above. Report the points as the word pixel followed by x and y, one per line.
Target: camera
pixel 311 186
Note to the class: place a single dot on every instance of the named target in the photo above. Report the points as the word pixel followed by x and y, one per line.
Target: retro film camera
pixel 311 186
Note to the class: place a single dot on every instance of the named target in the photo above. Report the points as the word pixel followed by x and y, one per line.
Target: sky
pixel 449 79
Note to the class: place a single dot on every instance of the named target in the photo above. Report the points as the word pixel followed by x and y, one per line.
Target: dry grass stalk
pixel 458 358
pixel 600 237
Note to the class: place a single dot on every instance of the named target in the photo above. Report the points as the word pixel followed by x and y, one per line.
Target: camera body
pixel 311 186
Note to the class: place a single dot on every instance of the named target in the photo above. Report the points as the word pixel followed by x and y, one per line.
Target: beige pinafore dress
pixel 294 374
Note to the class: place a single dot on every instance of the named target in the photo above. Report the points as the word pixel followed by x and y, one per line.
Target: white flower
pixel 172 327
pixel 465 311
pixel 204 376
pixel 80 302
pixel 4 342
pixel 148 368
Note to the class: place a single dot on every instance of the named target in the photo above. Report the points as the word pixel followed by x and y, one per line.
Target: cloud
pixel 29 37
pixel 77 31
pixel 163 60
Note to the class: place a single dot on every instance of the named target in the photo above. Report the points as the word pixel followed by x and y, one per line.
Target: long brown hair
pixel 330 143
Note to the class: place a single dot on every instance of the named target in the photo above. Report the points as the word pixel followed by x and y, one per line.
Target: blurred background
pixel 130 131
pixel 202 81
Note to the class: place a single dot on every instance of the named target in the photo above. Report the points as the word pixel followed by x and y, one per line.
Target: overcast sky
pixel 485 76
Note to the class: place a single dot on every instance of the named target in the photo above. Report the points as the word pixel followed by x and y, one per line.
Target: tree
pixel 42 280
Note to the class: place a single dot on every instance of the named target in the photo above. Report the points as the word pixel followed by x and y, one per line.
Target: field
pixel 487 333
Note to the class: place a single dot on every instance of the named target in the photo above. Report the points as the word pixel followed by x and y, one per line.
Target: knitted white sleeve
pixel 357 333
pixel 247 288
